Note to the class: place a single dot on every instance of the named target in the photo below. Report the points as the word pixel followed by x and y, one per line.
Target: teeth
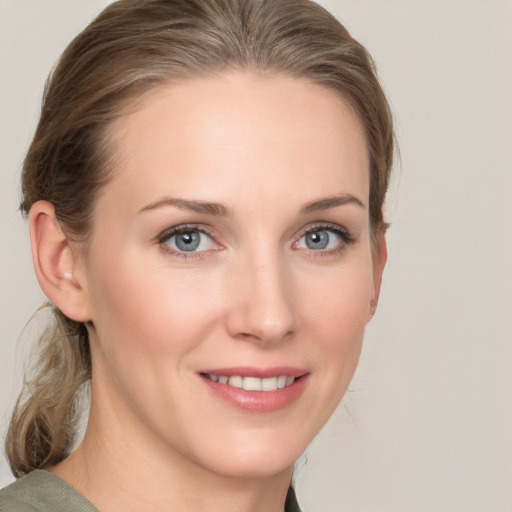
pixel 269 384
pixel 281 381
pixel 236 381
pixel 254 383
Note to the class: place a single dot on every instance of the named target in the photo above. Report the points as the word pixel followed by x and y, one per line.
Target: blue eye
pixel 189 240
pixel 323 239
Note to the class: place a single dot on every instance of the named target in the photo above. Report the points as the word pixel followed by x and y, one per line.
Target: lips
pixel 253 383
pixel 257 389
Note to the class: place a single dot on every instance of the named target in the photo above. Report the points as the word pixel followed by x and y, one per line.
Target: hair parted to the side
pixel 131 48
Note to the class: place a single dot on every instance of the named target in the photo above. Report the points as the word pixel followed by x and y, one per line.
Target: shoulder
pixel 16 497
pixel 41 491
pixel 11 501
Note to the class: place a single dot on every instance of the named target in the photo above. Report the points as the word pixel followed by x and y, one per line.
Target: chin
pixel 254 455
pixel 249 467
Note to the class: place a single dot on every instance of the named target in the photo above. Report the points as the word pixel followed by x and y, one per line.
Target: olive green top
pixel 41 491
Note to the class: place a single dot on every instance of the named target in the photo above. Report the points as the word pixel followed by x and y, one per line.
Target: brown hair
pixel 132 47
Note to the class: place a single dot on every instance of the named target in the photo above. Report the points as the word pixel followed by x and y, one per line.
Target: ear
pixel 379 262
pixel 55 263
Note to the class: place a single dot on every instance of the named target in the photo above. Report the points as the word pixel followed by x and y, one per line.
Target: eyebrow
pixel 189 204
pixel 331 202
pixel 220 210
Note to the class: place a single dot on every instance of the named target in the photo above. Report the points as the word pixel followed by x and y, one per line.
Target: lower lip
pixel 258 401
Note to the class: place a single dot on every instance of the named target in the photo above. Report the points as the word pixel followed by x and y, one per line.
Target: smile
pixel 256 390
pixel 253 383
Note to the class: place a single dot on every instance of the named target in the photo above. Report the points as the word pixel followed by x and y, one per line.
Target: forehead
pixel 240 132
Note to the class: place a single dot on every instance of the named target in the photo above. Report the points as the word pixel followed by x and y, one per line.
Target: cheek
pixel 146 307
pixel 339 296
pixel 148 326
pixel 337 313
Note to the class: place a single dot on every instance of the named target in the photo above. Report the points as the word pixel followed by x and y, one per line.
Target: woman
pixel 205 198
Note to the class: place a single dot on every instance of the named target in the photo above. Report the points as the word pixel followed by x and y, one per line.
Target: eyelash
pixel 165 236
pixel 345 236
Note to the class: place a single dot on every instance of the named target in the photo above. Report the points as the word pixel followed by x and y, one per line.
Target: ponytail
pixel 44 422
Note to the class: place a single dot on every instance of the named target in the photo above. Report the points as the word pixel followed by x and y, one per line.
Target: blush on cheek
pixel 156 307
pixel 338 314
pixel 341 299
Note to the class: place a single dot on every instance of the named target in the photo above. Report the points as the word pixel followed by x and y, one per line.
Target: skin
pixel 256 295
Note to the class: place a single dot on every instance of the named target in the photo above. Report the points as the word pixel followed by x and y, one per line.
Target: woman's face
pixel 232 245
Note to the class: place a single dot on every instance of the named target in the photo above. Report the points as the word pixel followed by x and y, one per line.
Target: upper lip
pixel 262 373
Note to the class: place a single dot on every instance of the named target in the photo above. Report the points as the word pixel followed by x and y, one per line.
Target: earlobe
pixel 55 263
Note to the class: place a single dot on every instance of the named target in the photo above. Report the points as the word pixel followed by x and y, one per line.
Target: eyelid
pixel 180 228
pixel 316 226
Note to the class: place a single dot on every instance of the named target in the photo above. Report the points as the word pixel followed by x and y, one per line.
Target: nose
pixel 261 301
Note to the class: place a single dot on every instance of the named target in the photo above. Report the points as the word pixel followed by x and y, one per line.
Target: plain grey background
pixel 427 422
